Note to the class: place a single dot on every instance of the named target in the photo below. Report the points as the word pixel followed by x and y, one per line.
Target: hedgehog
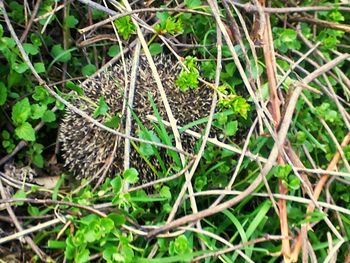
pixel 86 147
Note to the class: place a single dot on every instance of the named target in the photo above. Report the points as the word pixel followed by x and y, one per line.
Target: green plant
pixel 109 223
pixel 125 26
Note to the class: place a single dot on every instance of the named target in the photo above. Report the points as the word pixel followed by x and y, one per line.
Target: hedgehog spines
pixel 85 147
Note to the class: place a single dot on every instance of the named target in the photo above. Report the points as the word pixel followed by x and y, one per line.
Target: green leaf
pixel 145 148
pixel 127 252
pixel 187 80
pixel 38 148
pixel 173 25
pixel 125 26
pixel 30 49
pixel 71 21
pixel 33 210
pixel 231 128
pixel 25 132
pixel 118 219
pixel 262 210
pixel 208 69
pixel 241 106
pixel 116 184
pixel 19 194
pixel 88 70
pixel 36 40
pixel 71 85
pixel 147 199
pixel 38 160
pixel 313 217
pixel 110 254
pixel 131 175
pixel 101 109
pixel 89 219
pixel 1 30
pixel 9 42
pixel 331 116
pixel 162 16
pixel 14 79
pixel 3 93
pixel 257 69
pixel 60 54
pixel 113 51
pixel 39 67
pixel 20 68
pixel 347 152
pixel 282 171
pixel 293 182
pixel 107 225
pixel 6 144
pixel 301 137
pixel 230 68
pixel 200 183
pixel 40 94
pixel 193 3
pixel 286 39
pixel 55 244
pixel 91 234
pixel 165 192
pixel 70 248
pixel 5 134
pixel 82 256
pixel 181 245
pixel 113 122
pixel 49 116
pixel 235 222
pixel 38 111
pixel 17 11
pixel 288 35
pixel 97 14
pixel 155 49
pixel 21 111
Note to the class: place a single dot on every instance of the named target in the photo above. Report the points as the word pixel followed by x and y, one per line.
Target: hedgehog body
pixel 86 147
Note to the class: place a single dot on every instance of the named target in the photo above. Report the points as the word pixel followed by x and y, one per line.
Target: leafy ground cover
pixel 271 186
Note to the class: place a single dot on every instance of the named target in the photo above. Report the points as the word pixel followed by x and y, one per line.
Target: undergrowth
pixel 113 222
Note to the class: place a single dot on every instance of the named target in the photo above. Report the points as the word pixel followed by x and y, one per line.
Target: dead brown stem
pixel 317 191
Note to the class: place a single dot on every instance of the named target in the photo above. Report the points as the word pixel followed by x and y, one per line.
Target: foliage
pixel 125 26
pixel 188 78
pixel 30 114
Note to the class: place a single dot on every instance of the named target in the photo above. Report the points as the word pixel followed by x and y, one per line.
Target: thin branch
pixel 129 107
pixel 215 141
pixel 252 8
pixel 52 202
pixel 28 231
pixel 29 25
pixel 137 11
pixel 317 192
pixel 230 249
pixel 207 130
pixel 297 199
pixel 15 221
pixel 161 180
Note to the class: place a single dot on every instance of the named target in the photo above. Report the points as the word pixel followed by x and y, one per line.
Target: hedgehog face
pixel 86 148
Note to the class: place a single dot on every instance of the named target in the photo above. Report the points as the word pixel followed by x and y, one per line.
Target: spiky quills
pixel 86 147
